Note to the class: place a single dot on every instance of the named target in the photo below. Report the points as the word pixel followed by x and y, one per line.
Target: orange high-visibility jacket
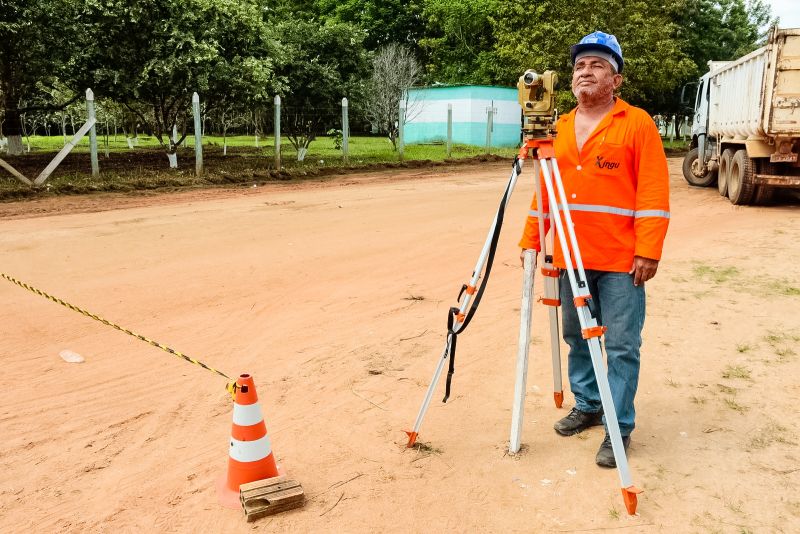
pixel 617 190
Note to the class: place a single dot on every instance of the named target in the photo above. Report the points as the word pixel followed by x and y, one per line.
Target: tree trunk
pixel 13 130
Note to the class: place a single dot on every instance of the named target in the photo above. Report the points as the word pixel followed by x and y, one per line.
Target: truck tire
pixel 724 171
pixel 705 180
pixel 740 178
pixel 764 193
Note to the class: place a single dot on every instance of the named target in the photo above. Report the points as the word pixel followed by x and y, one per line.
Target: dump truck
pixel 746 130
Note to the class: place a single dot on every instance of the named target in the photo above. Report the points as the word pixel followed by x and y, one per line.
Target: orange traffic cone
pixel 250 455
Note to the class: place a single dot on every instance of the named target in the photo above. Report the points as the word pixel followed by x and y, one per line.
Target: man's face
pixel 594 80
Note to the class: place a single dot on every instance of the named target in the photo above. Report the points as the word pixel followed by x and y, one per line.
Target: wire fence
pixel 320 136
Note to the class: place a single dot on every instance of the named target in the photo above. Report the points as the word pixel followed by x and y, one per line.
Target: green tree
pixel 39 41
pixel 321 64
pixel 151 55
pixel 460 40
pixel 655 65
pixel 383 21
pixel 720 30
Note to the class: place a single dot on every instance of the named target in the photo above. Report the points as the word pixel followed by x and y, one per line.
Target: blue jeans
pixel 620 306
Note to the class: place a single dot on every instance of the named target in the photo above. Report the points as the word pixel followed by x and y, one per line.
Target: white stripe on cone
pixel 250 451
pixel 246 414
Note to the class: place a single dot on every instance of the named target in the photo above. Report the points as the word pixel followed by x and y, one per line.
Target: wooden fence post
pixel 92 132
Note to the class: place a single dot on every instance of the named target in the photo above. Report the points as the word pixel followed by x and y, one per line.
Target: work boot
pixel 577 421
pixel 605 456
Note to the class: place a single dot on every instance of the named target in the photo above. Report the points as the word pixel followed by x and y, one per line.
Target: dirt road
pixel 334 294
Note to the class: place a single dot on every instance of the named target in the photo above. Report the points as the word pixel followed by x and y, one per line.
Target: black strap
pixel 452 313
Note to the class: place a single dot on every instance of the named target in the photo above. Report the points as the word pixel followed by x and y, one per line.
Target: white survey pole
pixel 92 132
pixel 278 132
pixel 345 131
pixel 520 384
pixel 449 129
pixel 198 136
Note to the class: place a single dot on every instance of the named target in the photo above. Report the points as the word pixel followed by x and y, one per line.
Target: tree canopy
pixel 149 56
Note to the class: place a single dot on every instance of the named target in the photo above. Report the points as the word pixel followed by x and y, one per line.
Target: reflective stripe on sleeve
pixel 250 451
pixel 653 213
pixel 246 414
pixel 535 213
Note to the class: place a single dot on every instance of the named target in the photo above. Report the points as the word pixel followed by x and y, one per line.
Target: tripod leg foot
pixel 412 438
pixel 629 496
pixel 558 397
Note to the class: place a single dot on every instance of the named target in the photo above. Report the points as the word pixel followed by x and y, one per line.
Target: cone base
pixel 239 473
pixel 225 495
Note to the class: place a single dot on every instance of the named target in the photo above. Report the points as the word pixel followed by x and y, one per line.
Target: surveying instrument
pixel 537 98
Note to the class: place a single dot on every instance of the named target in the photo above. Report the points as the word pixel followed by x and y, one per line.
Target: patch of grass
pixel 679 279
pixel 718 275
pixel 697 400
pixel 744 347
pixel 781 344
pixel 781 287
pixel 413 297
pixel 736 371
pixel 726 389
pixel 735 507
pixel 735 406
pixel 671 383
pixel 772 433
pixel 613 513
pixel 708 522
pixel 425 447
pixel 776 338
pixel 145 167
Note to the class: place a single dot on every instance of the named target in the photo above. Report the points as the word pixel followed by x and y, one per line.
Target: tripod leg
pixel 476 274
pixel 590 329
pixel 412 434
pixel 551 297
pixel 522 352
pixel 555 339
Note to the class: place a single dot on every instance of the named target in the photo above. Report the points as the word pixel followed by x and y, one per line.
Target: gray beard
pixel 596 95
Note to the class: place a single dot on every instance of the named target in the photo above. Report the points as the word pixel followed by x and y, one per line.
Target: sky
pixel 788 11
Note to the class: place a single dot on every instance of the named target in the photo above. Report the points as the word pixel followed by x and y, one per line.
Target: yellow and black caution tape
pixel 230 387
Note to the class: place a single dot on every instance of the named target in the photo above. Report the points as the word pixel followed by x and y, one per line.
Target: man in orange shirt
pixel 616 180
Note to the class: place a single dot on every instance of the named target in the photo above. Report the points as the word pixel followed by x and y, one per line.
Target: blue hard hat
pixel 604 42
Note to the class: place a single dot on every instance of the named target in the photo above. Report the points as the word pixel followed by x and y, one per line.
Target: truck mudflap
pixel 792 182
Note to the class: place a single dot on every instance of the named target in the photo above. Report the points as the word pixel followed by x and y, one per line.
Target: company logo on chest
pixel 602 163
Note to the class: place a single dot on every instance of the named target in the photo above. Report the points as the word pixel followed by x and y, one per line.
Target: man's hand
pixel 643 269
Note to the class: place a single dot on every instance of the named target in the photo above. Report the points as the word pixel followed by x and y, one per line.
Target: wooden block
pixel 270 496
